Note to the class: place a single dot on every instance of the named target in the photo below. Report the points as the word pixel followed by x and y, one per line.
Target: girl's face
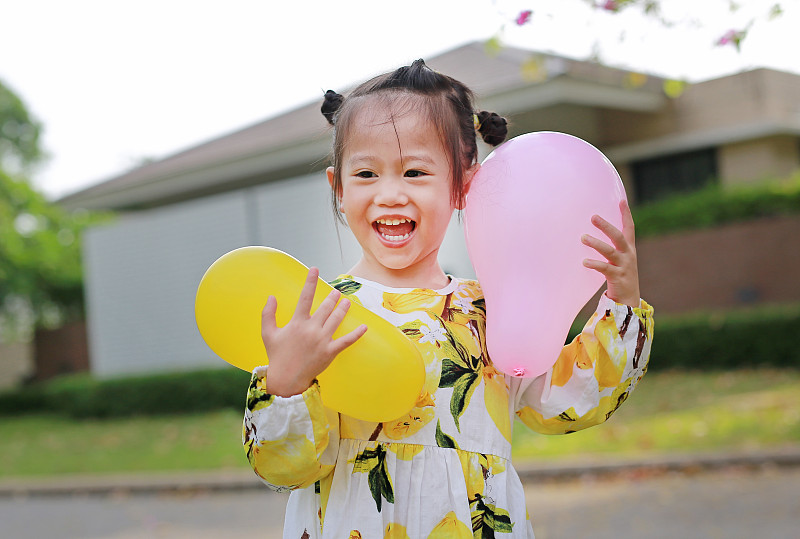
pixel 395 177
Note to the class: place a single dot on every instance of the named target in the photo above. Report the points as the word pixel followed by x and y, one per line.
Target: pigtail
pixel 331 105
pixel 492 127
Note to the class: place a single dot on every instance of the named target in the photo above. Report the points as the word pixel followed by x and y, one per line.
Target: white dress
pixel 444 469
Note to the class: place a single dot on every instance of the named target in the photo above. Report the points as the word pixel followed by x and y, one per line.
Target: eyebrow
pixel 361 157
pixel 368 158
pixel 423 158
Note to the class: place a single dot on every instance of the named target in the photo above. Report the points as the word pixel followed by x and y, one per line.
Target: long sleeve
pixel 593 375
pixel 291 442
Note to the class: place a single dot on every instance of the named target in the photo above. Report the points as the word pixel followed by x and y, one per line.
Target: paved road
pixel 726 504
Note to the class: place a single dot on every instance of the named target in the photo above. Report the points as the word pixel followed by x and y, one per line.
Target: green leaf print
pixel 411 330
pixel 622 397
pixel 487 519
pixel 373 461
pixel 346 285
pixel 451 347
pixel 462 393
pixel 462 372
pixel 444 440
pixel 567 416
pixel 452 371
pixel 257 398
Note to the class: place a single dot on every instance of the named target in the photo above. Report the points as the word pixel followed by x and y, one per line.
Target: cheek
pixel 353 201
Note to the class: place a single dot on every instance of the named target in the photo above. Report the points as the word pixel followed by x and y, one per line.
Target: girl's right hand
pixel 304 347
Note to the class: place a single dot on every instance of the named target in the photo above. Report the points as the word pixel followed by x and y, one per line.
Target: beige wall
pixel 756 160
pixel 16 363
pixel 731 103
pixel 753 118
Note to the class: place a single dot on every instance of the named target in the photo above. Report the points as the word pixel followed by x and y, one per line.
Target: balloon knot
pixel 519 371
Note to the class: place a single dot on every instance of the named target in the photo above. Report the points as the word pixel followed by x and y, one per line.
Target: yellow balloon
pixel 379 378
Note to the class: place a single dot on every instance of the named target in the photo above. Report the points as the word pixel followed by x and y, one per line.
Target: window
pixel 656 178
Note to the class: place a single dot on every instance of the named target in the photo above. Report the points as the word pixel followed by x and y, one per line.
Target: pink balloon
pixel 526 211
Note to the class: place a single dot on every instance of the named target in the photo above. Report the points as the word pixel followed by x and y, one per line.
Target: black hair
pixel 449 105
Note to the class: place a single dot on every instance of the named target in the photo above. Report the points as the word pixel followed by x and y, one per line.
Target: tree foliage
pixel 19 132
pixel 40 263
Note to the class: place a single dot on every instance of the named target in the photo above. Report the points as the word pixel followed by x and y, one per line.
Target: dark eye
pixel 365 174
pixel 414 174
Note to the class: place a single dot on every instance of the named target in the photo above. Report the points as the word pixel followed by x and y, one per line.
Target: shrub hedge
pixel 763 337
pixel 716 205
pixel 747 338
pixel 163 394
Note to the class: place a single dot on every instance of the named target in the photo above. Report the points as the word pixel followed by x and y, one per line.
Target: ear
pixel 469 174
pixel 330 171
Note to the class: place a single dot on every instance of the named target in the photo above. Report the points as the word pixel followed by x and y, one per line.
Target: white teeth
pixel 395 238
pixel 393 222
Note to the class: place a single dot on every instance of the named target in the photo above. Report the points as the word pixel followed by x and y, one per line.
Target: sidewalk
pixel 239 480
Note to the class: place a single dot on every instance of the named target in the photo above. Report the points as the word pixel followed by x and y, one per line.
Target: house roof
pixel 297 142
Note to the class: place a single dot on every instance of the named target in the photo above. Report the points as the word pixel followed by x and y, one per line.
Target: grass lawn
pixel 674 412
pixel 46 445
pixel 669 412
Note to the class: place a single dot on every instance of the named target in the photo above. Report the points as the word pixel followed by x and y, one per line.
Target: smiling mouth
pixel 394 230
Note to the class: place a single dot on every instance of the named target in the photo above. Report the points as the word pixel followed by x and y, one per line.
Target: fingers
pixel 613 233
pixel 600 246
pixel 307 294
pixel 268 324
pixel 628 229
pixel 327 306
pixel 346 340
pixel 602 267
pixel 334 319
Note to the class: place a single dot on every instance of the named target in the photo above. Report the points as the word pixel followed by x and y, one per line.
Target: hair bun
pixel 492 127
pixel 331 105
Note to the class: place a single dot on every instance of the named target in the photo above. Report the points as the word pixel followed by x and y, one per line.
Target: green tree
pixel 40 264
pixel 19 133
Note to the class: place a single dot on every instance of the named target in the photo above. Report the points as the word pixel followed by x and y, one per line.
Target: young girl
pixel 404 155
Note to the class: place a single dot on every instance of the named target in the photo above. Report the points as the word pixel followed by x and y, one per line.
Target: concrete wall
pixel 752 118
pixel 142 272
pixel 141 292
pixel 730 103
pixel 16 363
pixel 754 160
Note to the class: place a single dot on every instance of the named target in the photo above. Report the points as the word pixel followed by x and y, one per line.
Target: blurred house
pixel 265 185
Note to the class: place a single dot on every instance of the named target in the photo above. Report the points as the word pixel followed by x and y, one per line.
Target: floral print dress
pixel 444 469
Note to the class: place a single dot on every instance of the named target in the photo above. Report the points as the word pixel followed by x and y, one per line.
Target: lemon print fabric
pixel 443 468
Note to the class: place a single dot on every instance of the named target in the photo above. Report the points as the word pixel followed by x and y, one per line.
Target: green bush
pixel 163 394
pixel 715 205
pixel 759 337
pixel 756 337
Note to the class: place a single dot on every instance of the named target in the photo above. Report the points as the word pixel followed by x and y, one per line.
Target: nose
pixel 391 192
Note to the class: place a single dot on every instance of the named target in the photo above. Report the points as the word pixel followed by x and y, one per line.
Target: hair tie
pixel 330 105
pixel 476 122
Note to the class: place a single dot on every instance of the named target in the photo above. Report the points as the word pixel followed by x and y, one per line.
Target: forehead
pixel 380 110
pixel 399 120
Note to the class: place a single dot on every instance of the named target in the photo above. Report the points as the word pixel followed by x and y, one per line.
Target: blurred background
pixel 140 141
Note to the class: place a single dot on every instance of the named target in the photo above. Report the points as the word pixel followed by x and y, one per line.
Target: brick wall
pixel 61 351
pixel 722 268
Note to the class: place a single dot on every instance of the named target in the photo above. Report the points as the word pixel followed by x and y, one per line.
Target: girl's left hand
pixel 620 269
